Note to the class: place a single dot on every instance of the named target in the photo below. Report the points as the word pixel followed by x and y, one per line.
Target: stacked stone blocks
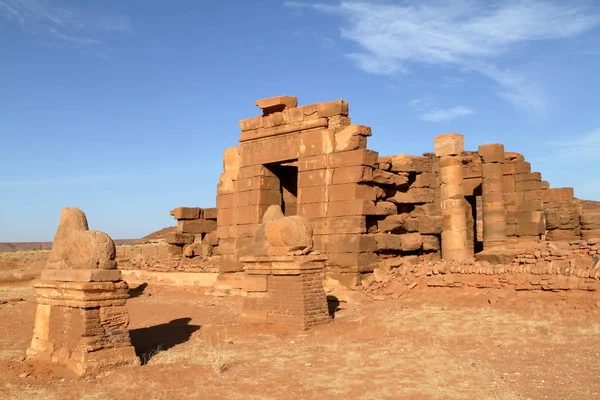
pixel 194 232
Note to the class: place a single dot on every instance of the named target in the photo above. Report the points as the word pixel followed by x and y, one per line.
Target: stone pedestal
pixel 285 290
pixel 82 325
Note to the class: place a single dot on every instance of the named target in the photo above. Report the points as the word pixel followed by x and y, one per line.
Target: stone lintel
pixel 81 275
pixel 283 129
pixel 276 104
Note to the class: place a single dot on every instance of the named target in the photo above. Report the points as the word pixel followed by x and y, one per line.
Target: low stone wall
pixel 578 254
pixel 555 275
pixel 151 257
pixel 202 279
pixel 156 257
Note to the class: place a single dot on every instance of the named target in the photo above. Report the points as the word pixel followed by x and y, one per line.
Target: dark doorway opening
pixel 287 173
pixel 475 222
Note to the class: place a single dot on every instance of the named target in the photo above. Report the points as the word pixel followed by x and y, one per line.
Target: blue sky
pixel 124 108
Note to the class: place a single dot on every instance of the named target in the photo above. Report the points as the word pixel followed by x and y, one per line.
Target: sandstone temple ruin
pixel 366 208
pixel 369 211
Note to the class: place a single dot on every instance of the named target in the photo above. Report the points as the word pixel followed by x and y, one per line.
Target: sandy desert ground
pixel 431 344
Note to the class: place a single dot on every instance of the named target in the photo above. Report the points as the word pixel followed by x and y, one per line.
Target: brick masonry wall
pixel 296 300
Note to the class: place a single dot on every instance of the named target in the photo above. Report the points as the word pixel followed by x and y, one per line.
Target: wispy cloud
pixel 430 112
pixel 58 25
pixel 451 82
pixel 422 103
pixel 583 149
pixel 471 35
pixel 439 114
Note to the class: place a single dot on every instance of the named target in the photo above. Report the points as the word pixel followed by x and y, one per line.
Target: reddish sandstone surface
pixel 432 343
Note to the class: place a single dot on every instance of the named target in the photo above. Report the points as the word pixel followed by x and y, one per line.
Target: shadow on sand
pixel 149 341
pixel 333 304
pixel 138 290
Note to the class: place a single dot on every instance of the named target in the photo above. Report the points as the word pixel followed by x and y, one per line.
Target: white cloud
pixel 439 114
pixel 422 103
pixel 62 25
pixel 468 34
pixel 428 111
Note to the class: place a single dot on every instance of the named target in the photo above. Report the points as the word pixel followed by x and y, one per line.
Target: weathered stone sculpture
pixel 278 235
pixel 284 283
pixel 81 319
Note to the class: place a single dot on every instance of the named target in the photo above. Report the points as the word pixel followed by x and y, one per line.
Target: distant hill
pixel 27 246
pixel 589 204
pixel 160 234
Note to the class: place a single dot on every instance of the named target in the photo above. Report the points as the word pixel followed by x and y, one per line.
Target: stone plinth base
pixel 82 325
pixel 285 290
pixel 81 275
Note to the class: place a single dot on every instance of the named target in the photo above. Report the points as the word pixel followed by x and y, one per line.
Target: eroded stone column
pixel 494 212
pixel 449 148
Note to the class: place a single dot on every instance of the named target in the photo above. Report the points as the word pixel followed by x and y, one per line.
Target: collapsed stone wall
pixel 589 218
pixel 195 234
pixel 411 221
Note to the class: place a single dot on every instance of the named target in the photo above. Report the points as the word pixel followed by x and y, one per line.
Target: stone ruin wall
pixel 191 248
pixel 195 234
pixel 368 210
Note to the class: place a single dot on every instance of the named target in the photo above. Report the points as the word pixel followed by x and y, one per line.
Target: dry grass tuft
pixel 146 357
pixel 217 353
